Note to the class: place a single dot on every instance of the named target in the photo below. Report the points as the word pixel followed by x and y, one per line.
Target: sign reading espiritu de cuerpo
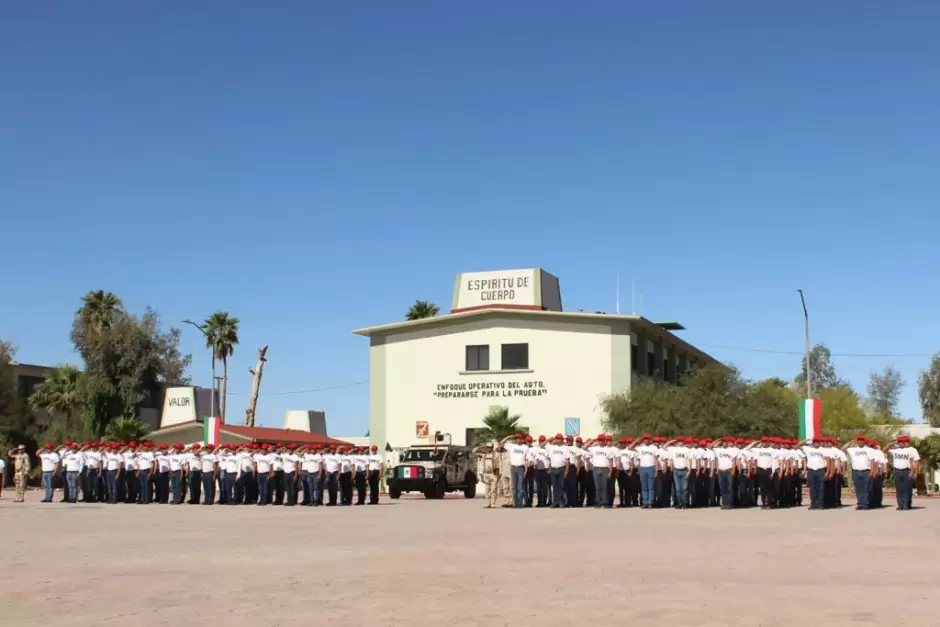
pixel 530 288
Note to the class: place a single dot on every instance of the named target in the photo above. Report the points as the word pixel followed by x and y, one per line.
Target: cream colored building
pixel 517 350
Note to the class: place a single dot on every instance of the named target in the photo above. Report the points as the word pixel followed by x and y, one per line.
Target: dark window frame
pixel 477 358
pixel 518 362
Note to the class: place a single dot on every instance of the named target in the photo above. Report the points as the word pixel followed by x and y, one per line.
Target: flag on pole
pixel 211 427
pixel 809 418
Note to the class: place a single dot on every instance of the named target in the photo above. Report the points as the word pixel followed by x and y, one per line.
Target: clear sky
pixel 315 167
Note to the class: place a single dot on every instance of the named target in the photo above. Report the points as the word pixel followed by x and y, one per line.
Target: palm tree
pixel 126 429
pixel 98 309
pixel 422 309
pixel 59 393
pixel 222 337
pixel 498 424
pixel 929 450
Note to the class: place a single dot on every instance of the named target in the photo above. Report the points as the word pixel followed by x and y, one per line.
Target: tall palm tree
pixel 98 309
pixel 422 309
pixel 222 338
pixel 498 423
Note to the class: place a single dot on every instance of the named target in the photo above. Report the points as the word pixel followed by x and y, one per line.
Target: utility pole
pixel 809 385
pixel 255 387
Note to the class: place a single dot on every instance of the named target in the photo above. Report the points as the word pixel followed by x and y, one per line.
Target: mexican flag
pixel 210 430
pixel 809 418
pixel 408 472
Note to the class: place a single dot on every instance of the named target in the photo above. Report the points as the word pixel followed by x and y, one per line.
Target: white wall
pixel 572 361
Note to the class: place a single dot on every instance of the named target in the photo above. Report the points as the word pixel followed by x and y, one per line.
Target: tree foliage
pixel 17 422
pixel 498 423
pixel 884 392
pixel 822 373
pixel 712 401
pixel 422 309
pixel 126 429
pixel 928 390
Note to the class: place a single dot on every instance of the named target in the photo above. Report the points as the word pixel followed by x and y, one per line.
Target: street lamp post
pixel 202 329
pixel 809 388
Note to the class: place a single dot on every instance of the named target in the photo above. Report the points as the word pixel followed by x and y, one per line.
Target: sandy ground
pixel 416 562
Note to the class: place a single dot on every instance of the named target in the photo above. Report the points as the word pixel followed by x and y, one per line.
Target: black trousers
pixel 332 485
pixel 623 487
pixel 586 485
pixel 374 487
pixel 162 487
pixel 345 484
pixel 542 487
pixel 278 495
pixel 571 488
pixel 764 480
pixel 360 487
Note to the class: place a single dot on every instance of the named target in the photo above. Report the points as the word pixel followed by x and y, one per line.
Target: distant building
pixel 27 377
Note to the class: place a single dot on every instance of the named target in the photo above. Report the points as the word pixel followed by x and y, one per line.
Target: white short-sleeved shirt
pixel 263 462
pixel 246 461
pixel 765 458
pixel 572 452
pixel 879 458
pixel 331 461
pixel 532 456
pixel 681 457
pixel 816 458
pixel 176 461
pixel 49 460
pixel 207 461
pixel 310 462
pixel 798 458
pixel 625 457
pixel 231 463
pixel 290 462
pixel 599 456
pixel 903 458
pixel 557 455
pixel 840 458
pixel 345 463
pixel 73 462
pixel 727 457
pixel 144 460
pixel 130 460
pixel 860 456
pixel 277 463
pixel 516 453
pixel 543 461
pixel 92 459
pixel 163 462
pixel 375 462
pixel 646 455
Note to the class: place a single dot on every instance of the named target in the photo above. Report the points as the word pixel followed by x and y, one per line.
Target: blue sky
pixel 316 167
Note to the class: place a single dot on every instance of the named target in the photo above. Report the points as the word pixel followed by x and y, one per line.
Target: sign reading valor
pixel 180 401
pixel 490 390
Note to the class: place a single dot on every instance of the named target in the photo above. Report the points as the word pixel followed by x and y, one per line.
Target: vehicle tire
pixel 470 491
pixel 429 494
pixel 394 493
pixel 440 489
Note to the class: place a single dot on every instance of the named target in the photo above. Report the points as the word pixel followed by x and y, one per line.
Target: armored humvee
pixel 433 470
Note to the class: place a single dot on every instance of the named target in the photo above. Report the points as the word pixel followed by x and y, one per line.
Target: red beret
pixel 132 443
pixel 197 445
pixel 48 447
pixel 602 436
pixel 559 436
pixel 374 447
pixel 571 437
pixel 623 440
pixel 520 436
pixel 577 439
pixel 528 438
pixel 254 445
pixel 541 438
pixel 292 446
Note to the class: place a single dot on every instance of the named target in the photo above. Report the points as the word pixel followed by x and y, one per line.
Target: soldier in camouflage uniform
pixel 20 472
pixel 489 462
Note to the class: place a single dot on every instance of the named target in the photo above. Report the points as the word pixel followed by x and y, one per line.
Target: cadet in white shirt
pixel 680 460
pixel 73 464
pixel 906 464
pixel 194 473
pixel 600 462
pixel 92 472
pixel 375 475
pixel 311 470
pixel 145 459
pixel 346 475
pixel 209 465
pixel 580 479
pixel 277 474
pixel 360 460
pixel 625 474
pixel 49 461
pixel 559 460
pixel 859 454
pixel 161 481
pixel 646 467
pixel 246 484
pixel 176 459
pixel 232 464
pixel 291 474
pixel 263 474
pixel 331 464
pixel 517 452
pixel 879 470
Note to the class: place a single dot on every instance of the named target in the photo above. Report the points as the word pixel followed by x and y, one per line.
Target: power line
pixel 799 353
pixel 310 391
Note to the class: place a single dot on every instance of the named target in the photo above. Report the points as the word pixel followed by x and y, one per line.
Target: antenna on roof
pixel 618 293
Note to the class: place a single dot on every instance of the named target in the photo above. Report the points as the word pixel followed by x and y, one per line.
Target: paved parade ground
pixel 416 562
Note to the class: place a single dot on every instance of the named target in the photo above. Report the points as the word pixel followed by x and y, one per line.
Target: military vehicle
pixel 434 470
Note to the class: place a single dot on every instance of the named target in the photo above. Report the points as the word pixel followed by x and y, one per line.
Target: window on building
pixel 478 357
pixel 515 357
pixel 650 364
pixel 633 365
pixel 667 372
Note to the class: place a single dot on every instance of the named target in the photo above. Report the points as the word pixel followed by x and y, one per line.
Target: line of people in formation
pixel 727 472
pixel 242 474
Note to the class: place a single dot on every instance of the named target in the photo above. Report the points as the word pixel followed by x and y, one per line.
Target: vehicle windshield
pixel 424 455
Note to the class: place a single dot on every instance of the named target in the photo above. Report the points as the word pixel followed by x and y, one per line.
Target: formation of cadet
pixel 686 472
pixel 243 474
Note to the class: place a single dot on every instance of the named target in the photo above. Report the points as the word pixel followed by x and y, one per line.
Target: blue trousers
pixel 517 477
pixel 195 486
pixel 176 486
pixel 904 485
pixel 646 485
pixel 71 480
pixel 817 487
pixel 724 484
pixel 143 476
pixel 600 487
pixel 559 494
pixel 315 487
pixel 680 477
pixel 110 485
pixel 47 478
pixel 208 487
pixel 861 479
pixel 263 488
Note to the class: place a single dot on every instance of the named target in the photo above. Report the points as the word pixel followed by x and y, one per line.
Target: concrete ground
pixel 416 562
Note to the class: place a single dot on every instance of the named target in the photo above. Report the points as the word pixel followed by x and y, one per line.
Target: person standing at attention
pixel 906 462
pixel 375 474
pixel 600 462
pixel 50 466
pixel 517 464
